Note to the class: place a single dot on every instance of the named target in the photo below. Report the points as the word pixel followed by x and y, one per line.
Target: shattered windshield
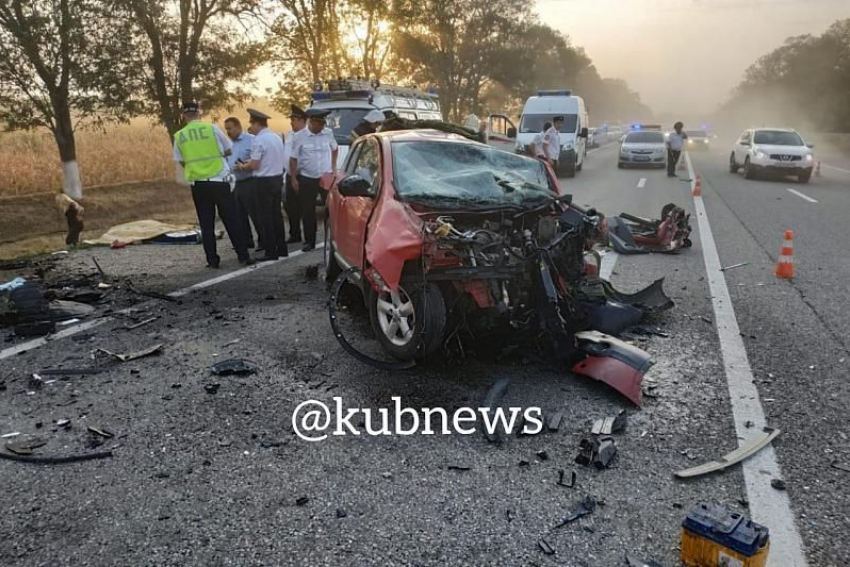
pixel 451 174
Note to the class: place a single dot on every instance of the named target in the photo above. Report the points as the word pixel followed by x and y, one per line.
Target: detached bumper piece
pixel 614 362
pixel 629 234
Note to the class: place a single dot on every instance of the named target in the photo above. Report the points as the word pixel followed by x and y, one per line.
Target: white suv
pixel 772 150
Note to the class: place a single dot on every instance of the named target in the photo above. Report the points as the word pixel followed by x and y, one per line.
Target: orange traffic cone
pixel 697 187
pixel 785 264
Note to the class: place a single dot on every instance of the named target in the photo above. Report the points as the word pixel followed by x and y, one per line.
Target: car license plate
pixel 641 158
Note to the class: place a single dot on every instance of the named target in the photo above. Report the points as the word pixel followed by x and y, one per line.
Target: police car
pixel 349 100
pixel 643 145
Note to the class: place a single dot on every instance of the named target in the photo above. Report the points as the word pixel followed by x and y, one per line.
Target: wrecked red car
pixel 450 240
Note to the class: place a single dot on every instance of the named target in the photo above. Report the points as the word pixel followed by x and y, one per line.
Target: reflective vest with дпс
pixel 199 147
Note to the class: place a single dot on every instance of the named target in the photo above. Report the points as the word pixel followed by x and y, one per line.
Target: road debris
pixel 461 468
pixel 778 483
pixel 25 447
pixel 56 460
pixel 142 323
pixel 610 425
pixel 101 432
pixel 584 507
pixel 840 466
pixel 211 388
pixel 302 501
pixel 598 451
pixel 630 234
pixel 555 421
pixel 733 266
pixel 545 547
pixel 133 355
pixel 234 366
pixel 753 446
pixel 561 482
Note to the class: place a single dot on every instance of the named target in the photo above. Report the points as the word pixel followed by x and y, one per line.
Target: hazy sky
pixel 685 55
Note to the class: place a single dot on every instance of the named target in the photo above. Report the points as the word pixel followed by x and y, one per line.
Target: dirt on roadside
pixel 32 224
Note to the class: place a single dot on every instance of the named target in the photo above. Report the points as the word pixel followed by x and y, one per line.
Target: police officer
pixel 292 203
pixel 314 153
pixel 201 148
pixel 266 163
pixel 244 192
pixel 536 149
pixel 675 143
pixel 552 142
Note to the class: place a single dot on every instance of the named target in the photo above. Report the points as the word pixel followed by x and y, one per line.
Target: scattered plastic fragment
pixel 545 547
pixel 133 355
pixel 234 366
pixel 561 482
pixel 302 501
pixel 777 483
pixel 756 444
pixel 599 452
pixel 584 507
pixel 102 432
pixel 555 421
pixel 25 447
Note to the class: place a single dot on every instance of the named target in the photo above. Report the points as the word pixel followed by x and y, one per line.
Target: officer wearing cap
pixel 552 142
pixel 266 163
pixel 369 124
pixel 292 203
pixel 201 149
pixel 314 153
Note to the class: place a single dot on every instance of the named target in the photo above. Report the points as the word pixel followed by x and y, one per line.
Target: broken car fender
pixel 395 236
pixel 614 362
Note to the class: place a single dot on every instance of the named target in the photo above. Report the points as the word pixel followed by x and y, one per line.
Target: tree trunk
pixel 63 133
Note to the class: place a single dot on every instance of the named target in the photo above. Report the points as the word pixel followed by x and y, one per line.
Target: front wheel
pixel 408 325
pixel 332 269
pixel 804 177
pixel 568 170
pixel 749 170
pixel 733 165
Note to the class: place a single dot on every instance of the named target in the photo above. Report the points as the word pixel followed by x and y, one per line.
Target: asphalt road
pixel 215 478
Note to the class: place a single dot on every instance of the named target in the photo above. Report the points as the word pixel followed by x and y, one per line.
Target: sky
pixel 685 56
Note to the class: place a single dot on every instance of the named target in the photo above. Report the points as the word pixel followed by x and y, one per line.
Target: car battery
pixel 715 536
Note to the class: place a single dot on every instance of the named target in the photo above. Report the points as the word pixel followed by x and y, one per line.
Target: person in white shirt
pixel 675 143
pixel 314 153
pixel 552 142
pixel 267 154
pixel 292 202
pixel 536 149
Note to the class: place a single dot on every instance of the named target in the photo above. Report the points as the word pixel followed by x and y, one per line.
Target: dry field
pixel 128 152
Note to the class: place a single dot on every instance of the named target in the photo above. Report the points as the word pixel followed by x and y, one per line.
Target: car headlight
pixel 567 146
pixel 520 148
pixel 809 157
pixel 760 154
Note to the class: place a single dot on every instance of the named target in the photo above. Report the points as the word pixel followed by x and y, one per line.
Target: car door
pixel 353 213
pixel 501 132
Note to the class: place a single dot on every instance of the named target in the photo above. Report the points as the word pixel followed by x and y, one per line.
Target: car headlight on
pixel 809 157
pixel 760 154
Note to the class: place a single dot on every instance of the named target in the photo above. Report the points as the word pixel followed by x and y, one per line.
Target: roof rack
pixel 366 90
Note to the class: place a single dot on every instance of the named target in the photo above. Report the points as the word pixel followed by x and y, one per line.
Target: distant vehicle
pixel 698 140
pixel 543 108
pixel 643 148
pixel 592 140
pixel 772 150
pixel 348 101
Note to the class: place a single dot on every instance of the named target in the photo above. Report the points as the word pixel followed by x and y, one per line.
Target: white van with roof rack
pixel 349 100
pixel 537 111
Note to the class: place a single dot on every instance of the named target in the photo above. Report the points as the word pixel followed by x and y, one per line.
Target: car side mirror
pixel 512 132
pixel 584 133
pixel 355 186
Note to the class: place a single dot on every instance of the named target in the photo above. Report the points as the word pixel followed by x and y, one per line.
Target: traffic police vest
pixel 200 151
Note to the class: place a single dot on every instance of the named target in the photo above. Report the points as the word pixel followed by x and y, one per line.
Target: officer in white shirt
pixel 292 203
pixel 536 149
pixel 267 155
pixel 552 142
pixel 675 143
pixel 314 153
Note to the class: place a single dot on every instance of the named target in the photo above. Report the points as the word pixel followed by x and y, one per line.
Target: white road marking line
pixel 609 260
pixel 835 168
pixel 41 341
pixel 802 196
pixel 642 183
pixel 769 506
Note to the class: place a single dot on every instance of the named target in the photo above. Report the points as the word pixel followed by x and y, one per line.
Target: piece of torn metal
pixel 234 366
pixel 126 357
pixel 609 425
pixel 753 446
pixel 101 432
pixel 545 547
pixel 584 507
pixel 614 362
pixel 25 447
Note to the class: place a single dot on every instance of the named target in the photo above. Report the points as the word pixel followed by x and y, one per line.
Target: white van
pixel 537 111
pixel 349 100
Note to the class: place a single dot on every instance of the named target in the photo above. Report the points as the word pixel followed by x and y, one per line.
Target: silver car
pixel 643 148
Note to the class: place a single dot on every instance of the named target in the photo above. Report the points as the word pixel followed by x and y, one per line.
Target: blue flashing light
pixel 321 96
pixel 554 93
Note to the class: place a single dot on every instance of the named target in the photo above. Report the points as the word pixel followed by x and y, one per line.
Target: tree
pixel 192 50
pixel 59 71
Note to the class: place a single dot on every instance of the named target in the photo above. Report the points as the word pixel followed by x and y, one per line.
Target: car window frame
pixel 370 143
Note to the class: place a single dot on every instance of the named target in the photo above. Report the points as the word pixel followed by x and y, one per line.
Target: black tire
pixel 749 171
pixel 804 177
pixel 568 171
pixel 621 165
pixel 733 165
pixel 332 268
pixel 429 321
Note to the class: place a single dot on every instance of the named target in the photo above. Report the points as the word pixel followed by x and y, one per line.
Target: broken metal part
pixel 350 275
pixel 140 323
pixel 633 561
pixel 584 507
pixel 101 432
pixel 545 547
pixel 234 366
pixel 25 447
pixel 586 452
pixel 753 446
pixel 610 425
pixel 133 355
pixel 605 453
pixel 614 362
pixel 650 299
pixel 561 482
pixel 56 460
